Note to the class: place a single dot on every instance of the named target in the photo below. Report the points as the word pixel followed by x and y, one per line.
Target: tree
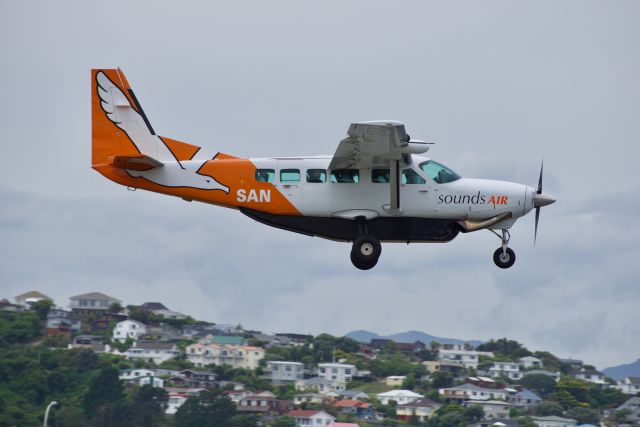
pixel 206 409
pixel 104 389
pixel 285 422
pixel 42 307
pixel 548 408
pixel 584 415
pixel 452 419
pixel 441 379
pixel 115 307
pixel 540 384
pixel 473 413
pixel 526 422
pixel 149 403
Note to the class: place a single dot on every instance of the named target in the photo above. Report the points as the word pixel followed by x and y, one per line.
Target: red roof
pixel 302 413
pixel 351 404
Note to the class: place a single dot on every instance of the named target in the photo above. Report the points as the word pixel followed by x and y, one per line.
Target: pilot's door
pixel 289 175
pixel 416 198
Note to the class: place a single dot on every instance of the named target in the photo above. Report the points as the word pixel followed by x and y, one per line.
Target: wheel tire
pixel 362 265
pixel 504 259
pixel 366 249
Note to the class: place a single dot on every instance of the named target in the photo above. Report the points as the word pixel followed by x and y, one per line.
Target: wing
pixel 377 144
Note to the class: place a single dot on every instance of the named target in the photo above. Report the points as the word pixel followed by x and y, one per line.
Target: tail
pixel 121 133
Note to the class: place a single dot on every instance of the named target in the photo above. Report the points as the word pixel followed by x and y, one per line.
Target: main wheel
pixel 504 259
pixel 363 265
pixel 366 248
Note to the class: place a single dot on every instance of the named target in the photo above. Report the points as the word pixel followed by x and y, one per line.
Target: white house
pixel 285 372
pixel 554 421
pixel 457 353
pixel 141 377
pixel 30 297
pixel 510 370
pixel 129 329
pixel 554 375
pixel 629 385
pixel 311 417
pixel 319 385
pixel 472 392
pixel 339 372
pixel 319 399
pixel 236 356
pixel 156 352
pixel 395 380
pixel 399 396
pixel 177 397
pixel 422 409
pixel 492 408
pixel 530 362
pixel 590 375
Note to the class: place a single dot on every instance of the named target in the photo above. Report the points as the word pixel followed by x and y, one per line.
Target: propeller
pixel 540 199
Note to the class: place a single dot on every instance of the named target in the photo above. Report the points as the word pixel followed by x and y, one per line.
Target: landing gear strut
pixel 504 257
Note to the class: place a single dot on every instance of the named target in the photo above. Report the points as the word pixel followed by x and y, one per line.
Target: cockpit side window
pixel 409 176
pixel 438 173
pixel 265 175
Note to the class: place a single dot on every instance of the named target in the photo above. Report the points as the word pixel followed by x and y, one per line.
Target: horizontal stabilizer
pixel 137 163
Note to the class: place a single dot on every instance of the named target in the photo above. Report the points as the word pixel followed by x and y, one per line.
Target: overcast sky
pixel 498 86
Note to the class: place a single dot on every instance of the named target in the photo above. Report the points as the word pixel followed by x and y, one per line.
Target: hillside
pixel 407 337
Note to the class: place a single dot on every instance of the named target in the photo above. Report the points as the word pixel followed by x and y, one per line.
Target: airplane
pixel 377 187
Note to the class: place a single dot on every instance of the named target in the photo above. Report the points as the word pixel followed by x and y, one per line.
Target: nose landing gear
pixel 504 257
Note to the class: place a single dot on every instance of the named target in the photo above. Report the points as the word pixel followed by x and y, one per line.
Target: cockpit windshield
pixel 438 173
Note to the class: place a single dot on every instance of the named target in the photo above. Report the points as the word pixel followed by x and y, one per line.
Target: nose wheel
pixel 504 257
pixel 365 252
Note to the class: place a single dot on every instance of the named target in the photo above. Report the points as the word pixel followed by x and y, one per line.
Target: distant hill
pixel 622 371
pixel 407 337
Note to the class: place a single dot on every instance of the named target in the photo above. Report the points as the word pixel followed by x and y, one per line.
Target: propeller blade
pixel 535 233
pixel 540 179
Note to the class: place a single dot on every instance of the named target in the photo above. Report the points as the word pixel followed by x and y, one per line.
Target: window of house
pixel 438 173
pixel 289 175
pixel 345 176
pixel 316 175
pixel 409 176
pixel 380 176
pixel 265 175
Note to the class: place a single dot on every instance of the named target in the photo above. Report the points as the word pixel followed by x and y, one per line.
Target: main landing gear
pixel 504 257
pixel 366 248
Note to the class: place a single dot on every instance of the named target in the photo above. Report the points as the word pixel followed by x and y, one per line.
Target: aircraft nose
pixel 542 199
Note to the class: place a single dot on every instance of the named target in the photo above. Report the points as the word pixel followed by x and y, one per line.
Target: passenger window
pixel 316 175
pixel 345 176
pixel 380 175
pixel 290 175
pixel 265 175
pixel 409 176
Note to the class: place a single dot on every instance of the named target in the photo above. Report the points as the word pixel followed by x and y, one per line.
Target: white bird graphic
pixel 172 173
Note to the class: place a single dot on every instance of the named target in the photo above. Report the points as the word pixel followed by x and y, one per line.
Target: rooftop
pixel 94 295
pixel 421 403
pixel 32 294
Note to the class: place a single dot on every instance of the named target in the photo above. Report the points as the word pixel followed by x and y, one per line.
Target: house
pixel 590 375
pixel 574 363
pixel 5 305
pixel 380 343
pixel 160 310
pixel 316 398
pixel 237 395
pixel 271 340
pixel 472 392
pixel 297 339
pixel 177 397
pixel 156 352
pixel 496 422
pixel 362 410
pixel 61 323
pixel 509 370
pixel 193 379
pixel 422 409
pixel 338 372
pixel 131 374
pixel 311 417
pixel 86 340
pixel 554 421
pixel 105 320
pixel 256 404
pixel 284 372
pixel 629 385
pixel 30 297
pixel 164 332
pixel 151 380
pixel 129 329
pixel 319 385
pixel 236 356
pixel 91 303
pixel 524 399
pixel 399 396
pixel 632 405
pixel 458 353
pixel 528 362
pixel 337 424
pixel 351 394
pixel 492 408
pixel 409 348
pixel 395 380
